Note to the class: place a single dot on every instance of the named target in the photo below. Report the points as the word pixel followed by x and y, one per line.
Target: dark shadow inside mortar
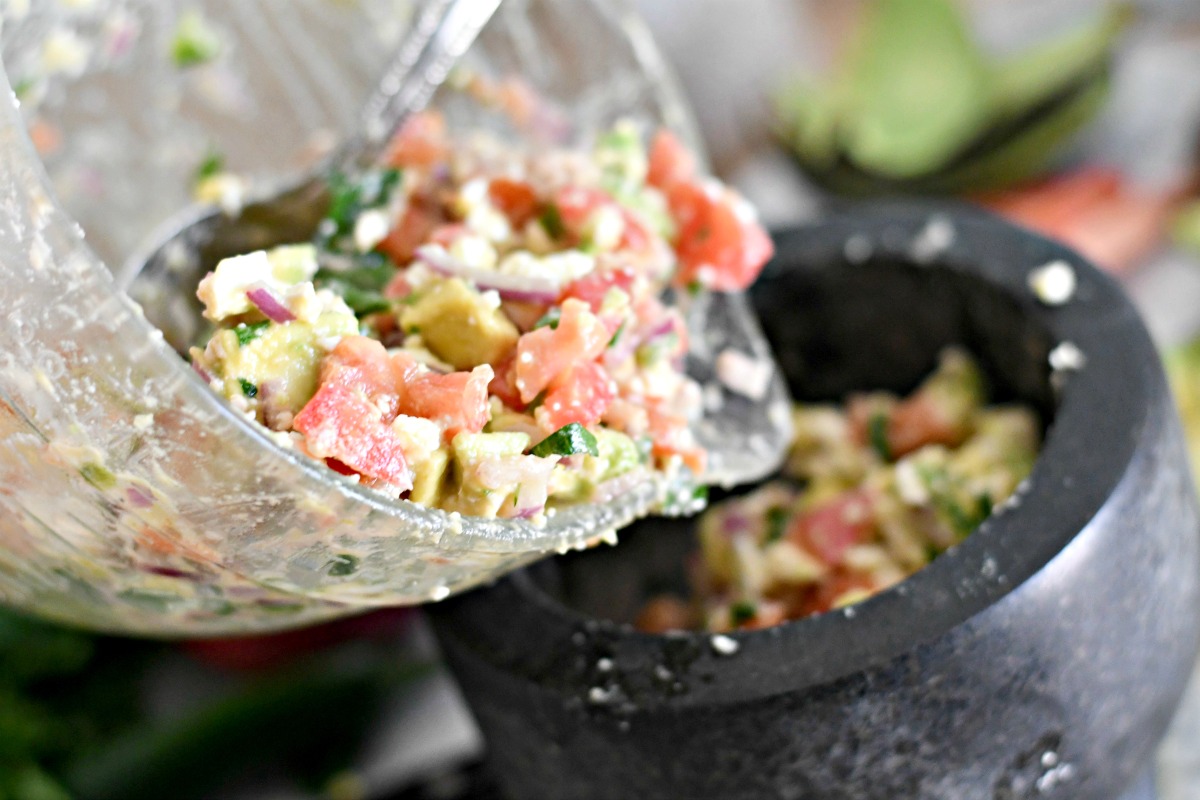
pixel 835 328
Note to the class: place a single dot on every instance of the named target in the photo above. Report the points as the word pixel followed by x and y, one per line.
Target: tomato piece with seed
pixel 580 395
pixel 342 423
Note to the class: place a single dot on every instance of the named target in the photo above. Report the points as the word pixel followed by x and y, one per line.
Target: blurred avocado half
pixel 917 107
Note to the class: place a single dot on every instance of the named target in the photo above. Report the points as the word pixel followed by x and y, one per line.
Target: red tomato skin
pixel 459 401
pixel 831 529
pixel 516 200
pixel 341 422
pixel 581 395
pixel 411 231
pixel 714 246
pixel 546 353
pixel 670 162
pixel 593 288
pixel 576 204
pixel 363 363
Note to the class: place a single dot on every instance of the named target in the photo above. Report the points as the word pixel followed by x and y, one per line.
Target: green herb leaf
pixel 877 433
pixel 248 388
pixel 742 612
pixel 617 335
pixel 552 221
pixel 360 286
pixel 247 333
pixel 213 164
pixel 195 41
pixel 777 522
pixel 350 197
pixel 550 319
pixel 568 440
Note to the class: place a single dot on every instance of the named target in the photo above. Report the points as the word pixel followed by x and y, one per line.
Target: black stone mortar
pixel 1042 657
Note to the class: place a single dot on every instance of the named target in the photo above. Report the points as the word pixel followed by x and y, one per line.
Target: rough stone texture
pixel 1041 658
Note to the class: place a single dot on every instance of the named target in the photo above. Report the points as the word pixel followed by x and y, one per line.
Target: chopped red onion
pixel 528 513
pixel 509 287
pixel 139 497
pixel 618 486
pixel 204 374
pixel 270 305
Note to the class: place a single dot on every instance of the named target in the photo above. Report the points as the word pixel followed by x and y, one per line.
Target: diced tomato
pixel 916 423
pixel 516 199
pixel 398 287
pixel 504 385
pixel 669 436
pixel 582 394
pixel 828 531
pixel 593 288
pixel 362 363
pixel 716 248
pixel 636 237
pixel 546 353
pixel 420 142
pixel 767 613
pixel 576 205
pixel 410 232
pixel 341 422
pixel 458 401
pixel 670 161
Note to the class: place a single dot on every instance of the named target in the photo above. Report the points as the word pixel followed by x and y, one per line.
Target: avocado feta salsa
pixel 478 328
pixel 871 492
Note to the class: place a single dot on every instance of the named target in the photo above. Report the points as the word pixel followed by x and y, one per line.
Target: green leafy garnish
pixel 212 164
pixel 349 198
pixel 360 286
pixel 777 521
pixel 616 335
pixel 877 433
pixel 569 440
pixel 742 612
pixel 552 222
pixel 248 332
pixel 343 564
pixel 248 388
pixel 195 41
pixel 550 319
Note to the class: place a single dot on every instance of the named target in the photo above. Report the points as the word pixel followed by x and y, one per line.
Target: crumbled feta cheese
pixel 223 291
pixel 370 229
pixel 63 51
pixel 1053 283
pixel 909 484
pixel 605 228
pixel 560 268
pixel 143 421
pixel 419 438
pixel 474 251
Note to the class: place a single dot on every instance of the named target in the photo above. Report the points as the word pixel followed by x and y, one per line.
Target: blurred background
pixel 1079 118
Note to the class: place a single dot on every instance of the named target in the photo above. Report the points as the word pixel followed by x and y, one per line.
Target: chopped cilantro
pixel 777 520
pixel 349 197
pixel 247 333
pixel 248 388
pixel 985 506
pixel 877 433
pixel 343 564
pixel 98 476
pixel 552 222
pixel 700 494
pixel 695 287
pixel 550 319
pixel 742 612
pixel 568 440
pixel 212 164
pixel 195 41
pixel 361 286
pixel 617 335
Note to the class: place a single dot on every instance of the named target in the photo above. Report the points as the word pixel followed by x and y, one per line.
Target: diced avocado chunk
pixel 569 440
pixel 459 326
pixel 428 477
pixel 617 454
pixel 471 448
pixel 286 356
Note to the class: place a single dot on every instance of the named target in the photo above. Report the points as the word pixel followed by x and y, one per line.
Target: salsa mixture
pixel 871 493
pixel 479 328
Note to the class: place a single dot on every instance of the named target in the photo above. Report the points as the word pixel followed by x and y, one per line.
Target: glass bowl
pixel 134 499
